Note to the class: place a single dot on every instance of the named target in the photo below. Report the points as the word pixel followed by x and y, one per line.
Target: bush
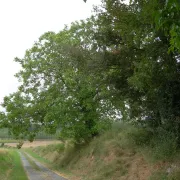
pixel 160 143
pixel 139 136
pixel 19 145
pixel 164 144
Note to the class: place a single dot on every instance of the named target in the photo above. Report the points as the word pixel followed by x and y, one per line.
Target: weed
pixel 175 175
pixel 159 176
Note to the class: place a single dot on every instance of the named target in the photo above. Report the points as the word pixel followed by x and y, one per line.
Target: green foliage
pixel 140 136
pixel 167 20
pixel 160 143
pixel 124 59
pixel 57 90
pixel 164 145
pixel 20 144
pixel 138 62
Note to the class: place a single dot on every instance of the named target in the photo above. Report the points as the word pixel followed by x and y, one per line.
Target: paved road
pixel 40 173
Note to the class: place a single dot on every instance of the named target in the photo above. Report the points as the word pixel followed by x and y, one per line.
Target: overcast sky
pixel 23 21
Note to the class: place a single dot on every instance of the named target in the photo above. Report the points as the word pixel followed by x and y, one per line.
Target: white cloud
pixel 23 21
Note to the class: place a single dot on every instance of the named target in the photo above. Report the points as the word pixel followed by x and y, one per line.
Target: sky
pixel 22 22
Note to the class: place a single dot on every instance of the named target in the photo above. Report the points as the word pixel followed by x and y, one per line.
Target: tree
pixel 17 117
pixel 57 90
pixel 167 20
pixel 144 72
pixel 2 119
pixel 125 57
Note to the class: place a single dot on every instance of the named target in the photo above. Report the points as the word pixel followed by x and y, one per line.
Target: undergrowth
pixel 123 152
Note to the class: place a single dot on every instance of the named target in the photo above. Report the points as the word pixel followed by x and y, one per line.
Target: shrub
pixel 139 136
pixel 19 145
pixel 164 144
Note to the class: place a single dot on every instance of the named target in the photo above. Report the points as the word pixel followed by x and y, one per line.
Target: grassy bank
pixel 124 152
pixel 10 165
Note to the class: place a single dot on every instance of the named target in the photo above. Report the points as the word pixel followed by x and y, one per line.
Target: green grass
pixel 6 164
pixel 36 156
pixel 10 166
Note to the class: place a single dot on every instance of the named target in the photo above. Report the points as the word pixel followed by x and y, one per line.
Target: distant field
pixel 36 143
pixel 4 134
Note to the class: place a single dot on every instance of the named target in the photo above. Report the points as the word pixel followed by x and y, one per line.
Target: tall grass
pixel 164 145
pixel 159 143
pixel 10 166
pixel 110 155
pixel 18 172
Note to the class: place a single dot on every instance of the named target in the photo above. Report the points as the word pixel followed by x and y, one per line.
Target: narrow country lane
pixel 40 173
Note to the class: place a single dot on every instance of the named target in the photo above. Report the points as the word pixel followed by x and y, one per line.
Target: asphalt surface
pixel 42 173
